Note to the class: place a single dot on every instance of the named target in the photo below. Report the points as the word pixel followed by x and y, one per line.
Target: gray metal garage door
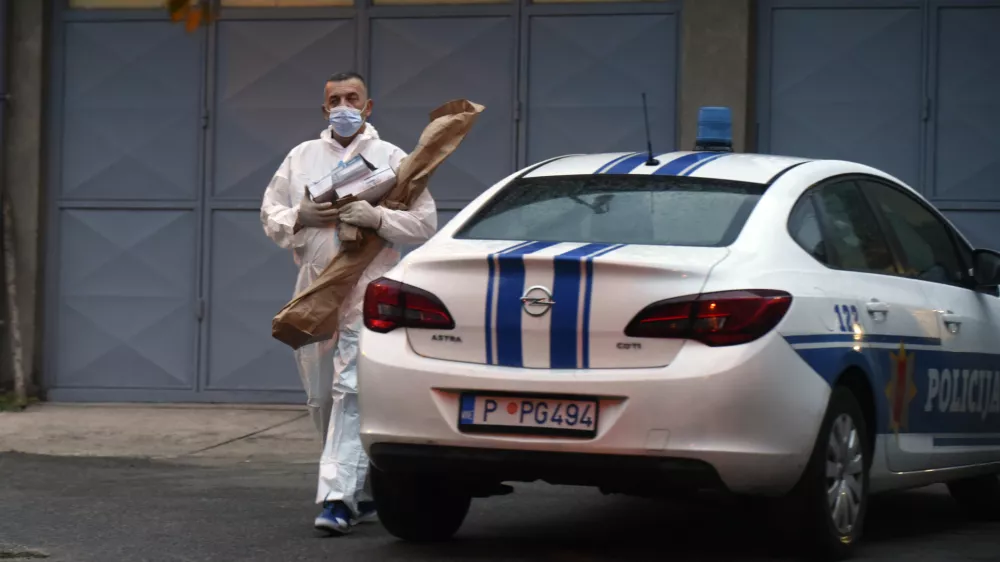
pixel 162 284
pixel 123 306
pixel 909 86
pixel 963 165
pixel 584 95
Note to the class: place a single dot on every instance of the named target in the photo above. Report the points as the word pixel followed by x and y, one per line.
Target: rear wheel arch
pixel 857 381
pixel 809 513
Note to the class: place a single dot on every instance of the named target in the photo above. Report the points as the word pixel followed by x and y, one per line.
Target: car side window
pixel 927 247
pixel 803 225
pixel 854 239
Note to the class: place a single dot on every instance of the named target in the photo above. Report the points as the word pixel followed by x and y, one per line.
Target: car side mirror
pixel 986 268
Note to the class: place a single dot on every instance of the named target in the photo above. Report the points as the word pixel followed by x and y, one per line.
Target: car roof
pixel 753 168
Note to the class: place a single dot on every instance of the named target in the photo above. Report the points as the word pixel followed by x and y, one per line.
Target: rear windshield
pixel 655 210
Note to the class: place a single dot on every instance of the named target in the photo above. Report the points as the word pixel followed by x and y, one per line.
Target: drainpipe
pixel 14 324
pixel 10 261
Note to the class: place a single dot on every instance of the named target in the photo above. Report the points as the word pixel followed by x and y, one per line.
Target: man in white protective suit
pixel 329 369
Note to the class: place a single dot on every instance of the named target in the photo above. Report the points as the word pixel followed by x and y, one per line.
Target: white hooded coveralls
pixel 328 369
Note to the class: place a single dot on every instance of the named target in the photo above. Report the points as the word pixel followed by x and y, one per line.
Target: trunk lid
pixel 553 305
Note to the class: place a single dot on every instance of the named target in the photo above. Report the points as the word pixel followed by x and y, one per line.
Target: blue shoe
pixel 366 513
pixel 335 519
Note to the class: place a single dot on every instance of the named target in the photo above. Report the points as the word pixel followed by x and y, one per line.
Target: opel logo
pixel 537 301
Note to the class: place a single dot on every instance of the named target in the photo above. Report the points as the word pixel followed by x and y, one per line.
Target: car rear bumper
pixel 750 413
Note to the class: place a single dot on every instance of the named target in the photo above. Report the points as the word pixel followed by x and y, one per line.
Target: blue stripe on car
pixel 565 311
pixel 857 338
pixel 943 391
pixel 627 165
pixel 491 260
pixel 701 163
pixel 985 441
pixel 614 161
pixel 678 165
pixel 588 293
pixel 511 274
pixel 489 311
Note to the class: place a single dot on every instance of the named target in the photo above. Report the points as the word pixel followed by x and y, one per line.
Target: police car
pixel 806 330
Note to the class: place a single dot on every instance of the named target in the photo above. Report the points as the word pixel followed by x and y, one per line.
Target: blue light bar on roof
pixel 715 129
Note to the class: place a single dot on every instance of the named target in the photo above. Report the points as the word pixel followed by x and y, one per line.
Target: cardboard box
pixel 372 188
pixel 323 190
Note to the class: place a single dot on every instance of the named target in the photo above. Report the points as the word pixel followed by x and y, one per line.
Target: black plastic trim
pixel 777 176
pixel 625 473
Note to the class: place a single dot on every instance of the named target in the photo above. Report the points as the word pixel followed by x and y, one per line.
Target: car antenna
pixel 649 142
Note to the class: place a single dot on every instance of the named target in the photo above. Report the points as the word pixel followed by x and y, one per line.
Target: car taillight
pixel 715 319
pixel 390 304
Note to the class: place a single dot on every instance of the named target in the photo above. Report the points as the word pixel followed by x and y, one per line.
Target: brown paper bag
pixel 313 314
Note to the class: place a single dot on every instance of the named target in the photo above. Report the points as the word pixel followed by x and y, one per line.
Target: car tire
pixel 829 509
pixel 418 507
pixel 979 496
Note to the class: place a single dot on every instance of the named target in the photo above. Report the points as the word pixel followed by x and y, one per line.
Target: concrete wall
pixel 22 166
pixel 716 66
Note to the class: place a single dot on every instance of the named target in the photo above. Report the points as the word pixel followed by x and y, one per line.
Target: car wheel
pixel 979 497
pixel 832 496
pixel 418 507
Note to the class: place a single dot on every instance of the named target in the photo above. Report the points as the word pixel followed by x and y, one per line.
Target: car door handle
pixel 876 306
pixel 951 320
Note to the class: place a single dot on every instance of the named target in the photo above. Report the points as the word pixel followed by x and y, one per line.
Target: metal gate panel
pixel 268 93
pixel 966 74
pixel 419 63
pixel 130 111
pixel 844 83
pixel 126 294
pixel 584 94
pixel 269 89
pixel 124 245
pixel 251 280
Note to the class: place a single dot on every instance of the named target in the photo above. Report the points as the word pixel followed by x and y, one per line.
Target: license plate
pixel 533 416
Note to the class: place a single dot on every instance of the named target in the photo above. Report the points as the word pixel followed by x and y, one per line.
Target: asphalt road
pixel 83 510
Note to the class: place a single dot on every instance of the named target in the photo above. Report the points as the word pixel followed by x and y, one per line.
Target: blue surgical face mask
pixel 346 120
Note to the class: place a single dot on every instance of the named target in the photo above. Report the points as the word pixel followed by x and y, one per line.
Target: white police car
pixel 778 327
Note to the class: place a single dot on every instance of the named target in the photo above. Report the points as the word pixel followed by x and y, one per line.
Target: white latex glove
pixel 361 214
